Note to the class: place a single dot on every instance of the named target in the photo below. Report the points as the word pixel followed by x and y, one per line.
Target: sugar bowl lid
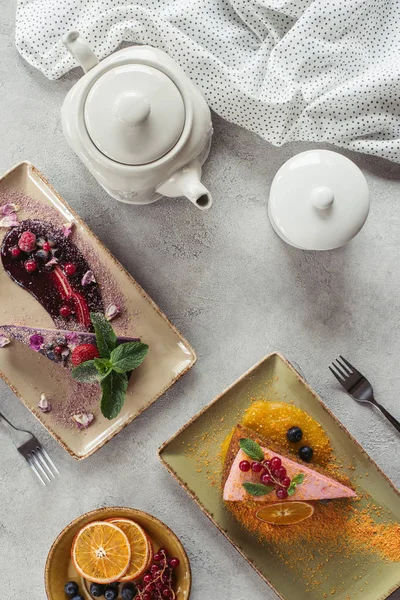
pixel 134 114
pixel 319 200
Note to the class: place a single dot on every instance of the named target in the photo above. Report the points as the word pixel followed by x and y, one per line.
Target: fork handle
pixel 10 428
pixel 387 414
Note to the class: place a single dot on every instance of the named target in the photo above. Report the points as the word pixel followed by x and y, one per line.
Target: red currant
pixel 244 465
pixel 15 252
pixel 266 479
pixel 70 269
pixel 167 592
pixel 275 473
pixel 174 562
pixel 276 462
pixel 58 349
pixel 285 482
pixel 30 265
pixel 65 311
pixel 157 558
pixel 147 596
pixel 154 570
pixel 281 472
pixel 281 493
pixel 267 465
pixel 147 579
pixel 46 247
pixel 256 467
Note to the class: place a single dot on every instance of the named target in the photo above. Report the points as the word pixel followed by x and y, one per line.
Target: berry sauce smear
pixel 43 261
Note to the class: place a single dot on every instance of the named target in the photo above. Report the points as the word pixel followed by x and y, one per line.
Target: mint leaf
pixel 258 489
pixel 86 372
pixel 128 356
pixel 298 479
pixel 252 449
pixel 113 387
pixel 103 366
pixel 106 340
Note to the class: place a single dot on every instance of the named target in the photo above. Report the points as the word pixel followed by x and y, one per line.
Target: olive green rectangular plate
pixel 206 431
pixel 29 373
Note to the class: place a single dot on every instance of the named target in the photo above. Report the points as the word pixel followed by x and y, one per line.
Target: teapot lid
pixel 134 114
pixel 319 200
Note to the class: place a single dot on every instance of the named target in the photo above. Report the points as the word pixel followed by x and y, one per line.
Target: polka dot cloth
pixel 318 70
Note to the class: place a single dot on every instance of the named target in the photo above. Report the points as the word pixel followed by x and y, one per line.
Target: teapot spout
pixel 80 50
pixel 186 182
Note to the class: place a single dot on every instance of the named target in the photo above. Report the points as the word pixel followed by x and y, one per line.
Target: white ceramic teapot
pixel 139 124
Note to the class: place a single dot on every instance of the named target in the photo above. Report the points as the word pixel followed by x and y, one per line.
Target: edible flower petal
pixel 72 338
pixel 36 342
pixel 88 278
pixel 10 220
pixel 8 209
pixel 67 229
pixel 44 404
pixel 112 311
pixel 4 340
pixel 83 420
pixel 53 261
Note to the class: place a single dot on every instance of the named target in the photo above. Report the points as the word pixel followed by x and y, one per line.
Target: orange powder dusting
pixel 338 523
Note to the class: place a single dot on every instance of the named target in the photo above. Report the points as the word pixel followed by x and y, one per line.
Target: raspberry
pixel 27 241
pixel 84 352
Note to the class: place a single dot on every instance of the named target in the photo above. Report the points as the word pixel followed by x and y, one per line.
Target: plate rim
pixel 192 494
pixel 97 511
pixel 27 164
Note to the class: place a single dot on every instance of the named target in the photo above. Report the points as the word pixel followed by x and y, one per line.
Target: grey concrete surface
pixel 235 291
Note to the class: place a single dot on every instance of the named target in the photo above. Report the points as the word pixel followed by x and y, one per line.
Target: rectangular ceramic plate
pixel 203 436
pixel 29 373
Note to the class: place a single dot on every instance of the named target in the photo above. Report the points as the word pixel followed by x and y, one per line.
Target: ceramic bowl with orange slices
pixel 120 549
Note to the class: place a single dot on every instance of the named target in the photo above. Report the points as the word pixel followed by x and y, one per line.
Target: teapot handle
pixel 80 50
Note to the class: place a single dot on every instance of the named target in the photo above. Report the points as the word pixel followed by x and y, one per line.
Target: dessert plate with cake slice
pixel 290 488
pixel 81 344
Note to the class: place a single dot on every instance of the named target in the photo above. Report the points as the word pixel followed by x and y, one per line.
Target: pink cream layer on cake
pixel 314 487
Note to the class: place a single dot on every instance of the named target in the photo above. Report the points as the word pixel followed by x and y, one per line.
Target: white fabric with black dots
pixel 318 70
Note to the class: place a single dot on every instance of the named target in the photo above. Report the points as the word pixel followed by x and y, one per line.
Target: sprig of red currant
pixel 157 583
pixel 273 475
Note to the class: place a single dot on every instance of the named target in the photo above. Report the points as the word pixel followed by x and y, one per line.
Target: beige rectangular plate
pixel 29 374
pixel 202 437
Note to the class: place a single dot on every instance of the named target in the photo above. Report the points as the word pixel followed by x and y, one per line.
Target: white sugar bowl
pixel 139 124
pixel 319 200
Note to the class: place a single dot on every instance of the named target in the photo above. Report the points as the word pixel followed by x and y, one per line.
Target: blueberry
pixel 306 453
pixel 78 597
pixel 294 434
pixel 111 593
pixel 128 591
pixel 113 585
pixel 96 590
pixel 71 588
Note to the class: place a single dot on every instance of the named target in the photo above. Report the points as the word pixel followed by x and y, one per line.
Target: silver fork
pixel 358 386
pixel 33 452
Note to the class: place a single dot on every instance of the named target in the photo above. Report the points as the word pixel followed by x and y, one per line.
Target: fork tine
pixel 47 457
pixel 353 369
pixel 37 464
pixel 345 368
pixel 339 369
pixel 340 380
pixel 34 469
pixel 43 461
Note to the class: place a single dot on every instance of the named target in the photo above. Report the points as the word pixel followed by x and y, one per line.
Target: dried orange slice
pixel 141 548
pixel 101 552
pixel 285 513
